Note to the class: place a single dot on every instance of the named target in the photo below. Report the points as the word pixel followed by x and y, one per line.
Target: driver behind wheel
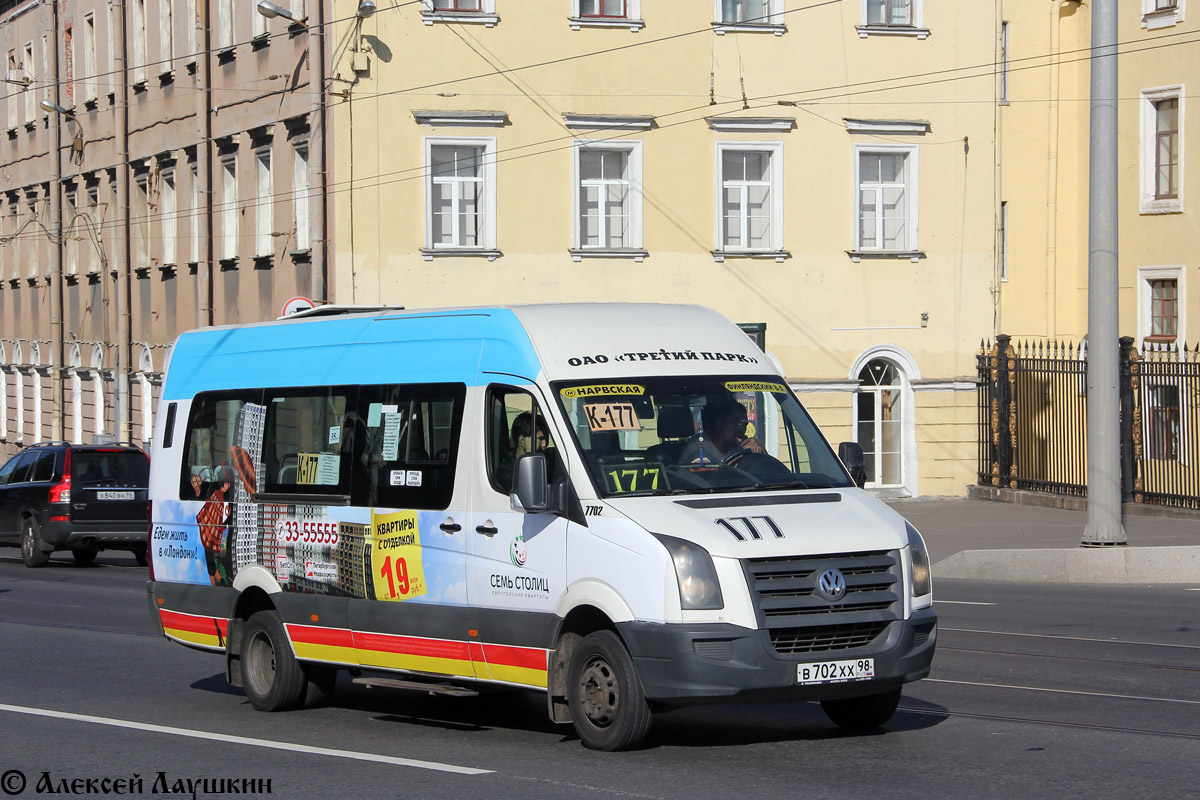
pixel 723 437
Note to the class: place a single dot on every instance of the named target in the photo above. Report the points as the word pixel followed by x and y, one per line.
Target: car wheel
pixel 33 552
pixel 271 675
pixel 84 555
pixel 139 554
pixel 608 707
pixel 862 713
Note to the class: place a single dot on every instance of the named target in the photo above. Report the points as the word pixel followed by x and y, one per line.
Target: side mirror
pixel 851 454
pixel 531 490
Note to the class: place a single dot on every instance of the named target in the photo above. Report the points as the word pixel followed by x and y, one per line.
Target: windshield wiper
pixel 766 487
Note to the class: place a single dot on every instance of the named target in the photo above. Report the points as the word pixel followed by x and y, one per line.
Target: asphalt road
pixel 1036 691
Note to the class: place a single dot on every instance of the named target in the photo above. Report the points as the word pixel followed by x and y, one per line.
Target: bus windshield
pixel 696 435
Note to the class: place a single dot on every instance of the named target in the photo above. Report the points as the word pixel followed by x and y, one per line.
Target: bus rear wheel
pixel 271 675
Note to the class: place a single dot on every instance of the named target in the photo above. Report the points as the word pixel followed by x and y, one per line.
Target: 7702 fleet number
pixel 835 671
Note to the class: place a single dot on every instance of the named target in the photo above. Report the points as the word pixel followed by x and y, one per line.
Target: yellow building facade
pixel 1045 171
pixel 824 172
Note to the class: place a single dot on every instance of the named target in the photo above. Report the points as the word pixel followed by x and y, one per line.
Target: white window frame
pixel 264 212
pixel 139 41
pixel 168 209
pixel 92 235
pixel 1004 57
pixel 1002 241
pixel 301 202
pixel 166 36
pixel 225 28
pixel 1153 18
pixel 30 95
pixel 775 150
pixel 70 232
pixel 916 29
pixel 189 27
pixel 633 152
pixel 486 15
pixel 488 232
pixel 773 23
pixel 258 25
pixel 1145 297
pixel 229 207
pixel 632 19
pixel 87 58
pixel 31 236
pixel 194 211
pixel 911 193
pixel 1148 144
pixel 139 190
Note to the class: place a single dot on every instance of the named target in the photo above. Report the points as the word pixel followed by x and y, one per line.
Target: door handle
pixel 450 526
pixel 487 529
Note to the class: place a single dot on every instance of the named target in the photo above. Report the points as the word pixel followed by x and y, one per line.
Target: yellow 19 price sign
pixel 396 567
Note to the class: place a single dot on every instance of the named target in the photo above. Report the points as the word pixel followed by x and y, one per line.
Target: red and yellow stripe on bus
pixel 195 629
pixel 520 665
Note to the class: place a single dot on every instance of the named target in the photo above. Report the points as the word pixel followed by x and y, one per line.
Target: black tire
pixel 33 551
pixel 608 706
pixel 271 675
pixel 84 555
pixel 139 554
pixel 319 682
pixel 862 713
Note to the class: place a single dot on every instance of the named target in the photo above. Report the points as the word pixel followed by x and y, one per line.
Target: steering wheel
pixel 760 466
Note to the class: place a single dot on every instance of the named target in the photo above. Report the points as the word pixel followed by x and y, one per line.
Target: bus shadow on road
pixel 725 726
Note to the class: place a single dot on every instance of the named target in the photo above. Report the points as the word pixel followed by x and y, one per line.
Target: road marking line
pixel 222 737
pixel 1070 638
pixel 1067 691
pixel 963 603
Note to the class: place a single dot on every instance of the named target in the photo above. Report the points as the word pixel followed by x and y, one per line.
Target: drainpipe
pixel 1052 176
pixel 203 216
pixel 319 171
pixel 56 244
pixel 124 335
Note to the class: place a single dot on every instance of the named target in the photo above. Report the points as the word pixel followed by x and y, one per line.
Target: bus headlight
pixel 699 588
pixel 922 579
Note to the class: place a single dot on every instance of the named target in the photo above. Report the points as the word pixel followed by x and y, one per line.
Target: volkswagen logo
pixel 832 584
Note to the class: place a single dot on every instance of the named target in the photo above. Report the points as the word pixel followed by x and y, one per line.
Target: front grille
pixel 801 619
pixel 825 637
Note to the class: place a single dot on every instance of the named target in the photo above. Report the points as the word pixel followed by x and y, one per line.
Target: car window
pixel 20 467
pixel 109 467
pixel 7 470
pixel 43 468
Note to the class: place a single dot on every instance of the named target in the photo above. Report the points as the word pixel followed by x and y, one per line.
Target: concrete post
pixel 1104 526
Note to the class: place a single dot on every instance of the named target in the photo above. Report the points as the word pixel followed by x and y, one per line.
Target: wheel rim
pixel 600 692
pixel 260 658
pixel 27 544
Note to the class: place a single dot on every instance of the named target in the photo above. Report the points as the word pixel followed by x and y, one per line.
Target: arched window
pixel 74 364
pixel 880 422
pixel 35 361
pixel 98 387
pixel 884 420
pixel 19 392
pixel 3 395
pixel 145 368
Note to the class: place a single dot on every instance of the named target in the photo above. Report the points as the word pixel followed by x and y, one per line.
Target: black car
pixel 82 498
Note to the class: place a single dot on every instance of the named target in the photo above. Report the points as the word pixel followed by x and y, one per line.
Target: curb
pixel 1065 502
pixel 1112 565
